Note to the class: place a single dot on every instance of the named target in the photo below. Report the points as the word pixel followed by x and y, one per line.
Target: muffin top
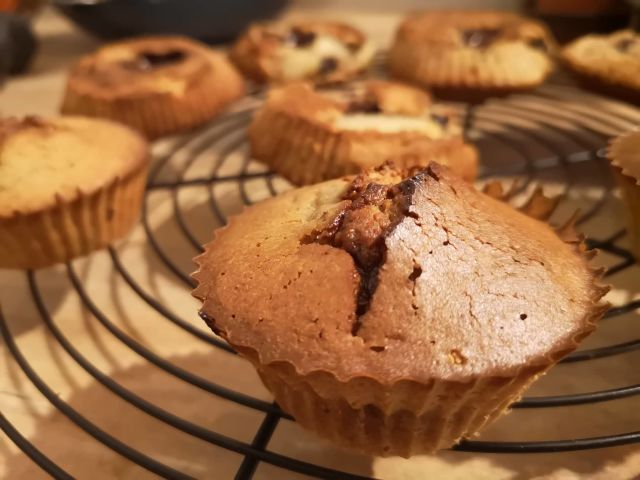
pixel 616 56
pixel 390 278
pixel 624 153
pixel 384 108
pixel 146 65
pixel 478 30
pixel 43 161
pixel 322 51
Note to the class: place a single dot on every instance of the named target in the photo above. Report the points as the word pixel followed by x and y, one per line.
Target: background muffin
pixel 68 186
pixel 395 364
pixel 308 136
pixel 469 55
pixel 157 85
pixel 624 154
pixel 317 51
pixel 607 63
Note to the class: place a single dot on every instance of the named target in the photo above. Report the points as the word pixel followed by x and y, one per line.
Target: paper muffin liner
pixel 467 75
pixel 159 114
pixel 629 185
pixel 72 227
pixel 307 152
pixel 407 416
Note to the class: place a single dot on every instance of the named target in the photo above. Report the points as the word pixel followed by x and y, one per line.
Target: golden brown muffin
pixel 308 137
pixel 607 63
pixel 68 186
pixel 624 154
pixel 469 55
pixel 157 85
pixel 396 316
pixel 319 51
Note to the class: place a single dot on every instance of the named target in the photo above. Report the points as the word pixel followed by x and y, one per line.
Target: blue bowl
pixel 211 21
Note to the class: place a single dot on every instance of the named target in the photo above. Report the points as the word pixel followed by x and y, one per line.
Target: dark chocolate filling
pixel 362 227
pixel 538 44
pixel 301 38
pixel 625 44
pixel 366 105
pixel 442 120
pixel 328 65
pixel 150 60
pixel 480 37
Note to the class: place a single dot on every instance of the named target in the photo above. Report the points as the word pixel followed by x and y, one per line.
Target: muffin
pixel 624 154
pixel 396 316
pixel 607 63
pixel 470 55
pixel 318 51
pixel 157 85
pixel 308 137
pixel 68 186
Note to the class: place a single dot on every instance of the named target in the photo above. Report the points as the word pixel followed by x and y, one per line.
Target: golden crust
pixel 69 216
pixel 428 365
pixel 259 53
pixel 624 155
pixel 297 133
pixel 430 50
pixel 612 59
pixel 116 82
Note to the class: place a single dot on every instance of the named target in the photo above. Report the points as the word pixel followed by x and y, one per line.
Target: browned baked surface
pixel 308 137
pixel 412 311
pixel 158 85
pixel 458 52
pixel 68 186
pixel 319 51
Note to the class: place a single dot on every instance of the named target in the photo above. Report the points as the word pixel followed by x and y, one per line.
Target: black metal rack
pixel 545 119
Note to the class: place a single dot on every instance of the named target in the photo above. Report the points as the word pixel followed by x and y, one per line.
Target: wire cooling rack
pixel 557 133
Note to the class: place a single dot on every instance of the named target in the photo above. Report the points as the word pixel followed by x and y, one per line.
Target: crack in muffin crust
pixel 362 227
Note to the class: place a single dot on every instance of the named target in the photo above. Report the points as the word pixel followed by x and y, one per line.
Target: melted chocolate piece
pixel 301 38
pixel 442 120
pixel 480 37
pixel 328 65
pixel 353 47
pixel 362 227
pixel 150 60
pixel 364 106
pixel 625 44
pixel 538 44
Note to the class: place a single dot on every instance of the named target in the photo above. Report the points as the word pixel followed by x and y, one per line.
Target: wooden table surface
pixel 84 457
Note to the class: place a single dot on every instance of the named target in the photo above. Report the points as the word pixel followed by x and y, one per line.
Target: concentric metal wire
pixel 545 120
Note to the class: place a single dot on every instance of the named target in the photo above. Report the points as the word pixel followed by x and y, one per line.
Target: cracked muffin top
pixel 147 65
pixel 383 107
pixel 321 51
pixel 474 30
pixel 397 278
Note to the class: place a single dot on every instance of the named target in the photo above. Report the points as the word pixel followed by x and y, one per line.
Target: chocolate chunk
pixel 442 120
pixel 538 44
pixel 480 37
pixel 301 38
pixel 625 44
pixel 353 47
pixel 150 60
pixel 364 106
pixel 328 65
